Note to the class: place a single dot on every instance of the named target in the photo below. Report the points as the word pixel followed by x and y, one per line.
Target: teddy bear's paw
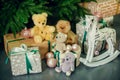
pixel 72 69
pixel 68 73
pixel 57 69
pixel 38 39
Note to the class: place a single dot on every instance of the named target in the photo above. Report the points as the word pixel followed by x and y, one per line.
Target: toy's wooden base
pixel 97 61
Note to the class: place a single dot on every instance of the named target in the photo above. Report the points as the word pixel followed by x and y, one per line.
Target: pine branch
pixel 16 13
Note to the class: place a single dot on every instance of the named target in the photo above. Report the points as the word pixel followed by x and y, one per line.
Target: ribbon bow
pixel 102 21
pixel 57 56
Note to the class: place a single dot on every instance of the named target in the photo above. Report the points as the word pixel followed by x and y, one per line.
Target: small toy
pixel 59 43
pixel 68 64
pixel 49 30
pixel 40 23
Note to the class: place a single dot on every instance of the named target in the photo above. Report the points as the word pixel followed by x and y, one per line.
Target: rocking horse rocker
pixel 94 34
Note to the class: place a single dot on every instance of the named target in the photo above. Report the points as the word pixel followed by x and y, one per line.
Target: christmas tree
pixel 16 14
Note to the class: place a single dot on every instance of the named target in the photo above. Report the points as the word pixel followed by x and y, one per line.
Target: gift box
pixel 10 41
pixel 59 56
pixel 25 60
pixel 106 7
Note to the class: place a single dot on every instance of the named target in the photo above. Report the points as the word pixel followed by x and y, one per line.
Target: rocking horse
pixel 94 34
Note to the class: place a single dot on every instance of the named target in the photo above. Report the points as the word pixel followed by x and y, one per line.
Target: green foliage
pixel 68 10
pixel 15 14
pixel 88 0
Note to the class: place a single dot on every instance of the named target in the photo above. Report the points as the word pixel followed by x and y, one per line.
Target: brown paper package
pixel 10 42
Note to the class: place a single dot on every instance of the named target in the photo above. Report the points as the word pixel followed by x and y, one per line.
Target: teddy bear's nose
pixel 61 27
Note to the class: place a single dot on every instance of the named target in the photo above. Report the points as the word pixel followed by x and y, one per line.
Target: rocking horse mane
pixel 91 22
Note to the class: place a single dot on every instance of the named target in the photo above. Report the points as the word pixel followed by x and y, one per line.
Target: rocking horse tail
pixel 113 35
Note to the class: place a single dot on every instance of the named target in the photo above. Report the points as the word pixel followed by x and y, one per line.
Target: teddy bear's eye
pixel 42 32
pixel 67 59
pixel 56 37
pixel 39 22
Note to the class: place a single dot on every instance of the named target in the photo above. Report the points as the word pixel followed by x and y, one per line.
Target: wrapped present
pixel 106 7
pixel 75 49
pixel 25 60
pixel 10 41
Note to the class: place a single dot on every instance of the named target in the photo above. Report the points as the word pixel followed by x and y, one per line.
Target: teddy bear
pixel 41 31
pixel 59 42
pixel 49 30
pixel 65 27
pixel 76 49
pixel 39 21
pixel 68 64
pixel 59 47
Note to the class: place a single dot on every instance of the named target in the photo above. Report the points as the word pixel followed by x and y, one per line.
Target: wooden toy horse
pixel 94 34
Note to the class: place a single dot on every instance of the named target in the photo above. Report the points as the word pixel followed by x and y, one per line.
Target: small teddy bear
pixel 59 47
pixel 59 42
pixel 40 22
pixel 68 64
pixel 65 27
pixel 49 30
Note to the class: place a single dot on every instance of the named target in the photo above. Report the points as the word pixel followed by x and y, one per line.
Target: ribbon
pixel 53 46
pixel 83 41
pixel 57 56
pixel 28 64
pixel 22 48
pixel 34 51
pixel 84 37
pixel 102 21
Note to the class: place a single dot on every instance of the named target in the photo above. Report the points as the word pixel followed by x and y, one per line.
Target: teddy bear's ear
pixel 34 16
pixel 45 14
pixel 52 28
pixel 68 23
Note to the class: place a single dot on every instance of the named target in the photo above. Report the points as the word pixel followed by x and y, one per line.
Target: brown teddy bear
pixel 65 27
